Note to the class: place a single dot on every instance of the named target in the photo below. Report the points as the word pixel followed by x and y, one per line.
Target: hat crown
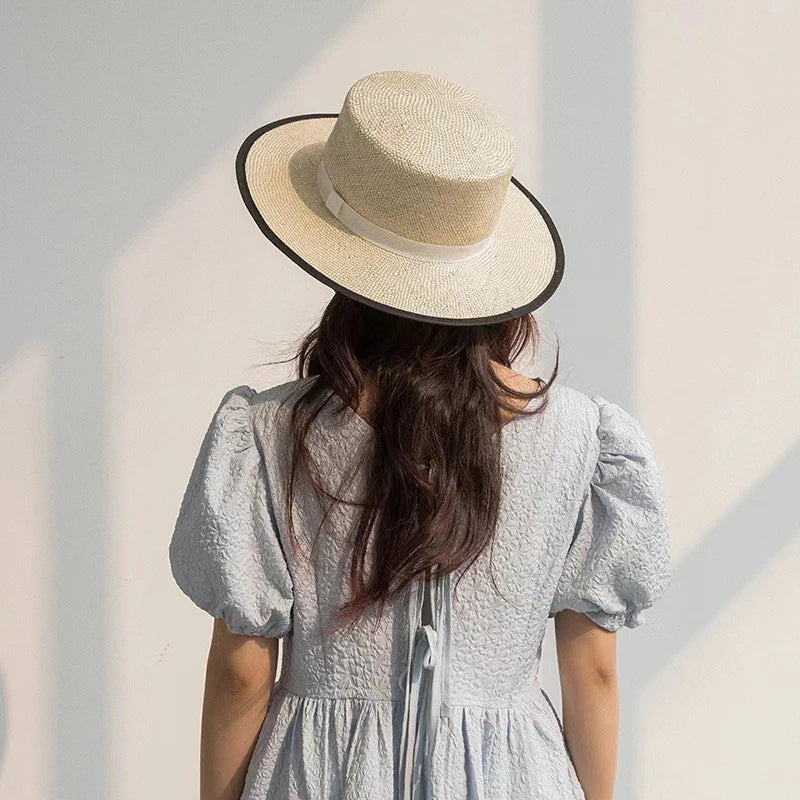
pixel 421 157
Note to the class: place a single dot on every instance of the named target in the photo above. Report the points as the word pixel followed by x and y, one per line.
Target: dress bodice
pixel 582 525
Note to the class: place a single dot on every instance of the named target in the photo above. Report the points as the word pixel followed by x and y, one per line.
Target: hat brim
pixel 276 170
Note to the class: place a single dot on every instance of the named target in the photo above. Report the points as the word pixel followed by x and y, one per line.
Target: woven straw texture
pixel 426 160
pixel 422 157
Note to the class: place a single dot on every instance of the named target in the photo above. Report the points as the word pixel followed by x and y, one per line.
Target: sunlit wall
pixel 136 290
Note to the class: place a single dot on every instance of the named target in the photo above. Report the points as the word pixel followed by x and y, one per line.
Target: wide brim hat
pixel 405 200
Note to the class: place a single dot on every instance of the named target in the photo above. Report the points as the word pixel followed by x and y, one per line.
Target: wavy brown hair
pixel 433 474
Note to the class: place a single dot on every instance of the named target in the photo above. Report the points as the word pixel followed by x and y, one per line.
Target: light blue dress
pixel 440 698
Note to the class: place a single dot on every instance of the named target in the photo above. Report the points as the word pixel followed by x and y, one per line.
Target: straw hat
pixel 406 201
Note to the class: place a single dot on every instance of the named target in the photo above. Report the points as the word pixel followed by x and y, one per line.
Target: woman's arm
pixel 587 666
pixel 240 675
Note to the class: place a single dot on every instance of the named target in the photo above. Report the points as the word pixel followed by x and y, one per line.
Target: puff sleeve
pixel 225 553
pixel 618 563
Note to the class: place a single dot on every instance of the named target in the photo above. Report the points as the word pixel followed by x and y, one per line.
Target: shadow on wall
pixel 110 109
pixel 587 70
pixel 586 64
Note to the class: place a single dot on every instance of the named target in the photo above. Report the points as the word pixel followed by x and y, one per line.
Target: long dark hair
pixel 433 476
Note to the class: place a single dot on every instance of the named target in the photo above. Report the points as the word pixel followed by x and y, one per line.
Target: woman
pixel 409 511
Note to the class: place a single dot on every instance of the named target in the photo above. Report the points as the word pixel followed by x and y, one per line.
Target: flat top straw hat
pixel 406 201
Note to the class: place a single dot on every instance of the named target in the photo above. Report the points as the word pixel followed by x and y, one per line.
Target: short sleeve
pixel 619 562
pixel 225 552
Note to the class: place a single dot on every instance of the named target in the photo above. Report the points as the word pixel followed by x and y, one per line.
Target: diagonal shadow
pixel 587 113
pixel 749 537
pixel 745 541
pixel 108 108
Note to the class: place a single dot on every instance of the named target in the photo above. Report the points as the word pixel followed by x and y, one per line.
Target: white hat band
pixel 389 240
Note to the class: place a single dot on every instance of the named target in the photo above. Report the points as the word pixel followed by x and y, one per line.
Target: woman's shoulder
pixel 580 409
pixel 267 397
pixel 573 407
pixel 278 393
pixel 612 441
pixel 570 412
pixel 245 406
pixel 587 424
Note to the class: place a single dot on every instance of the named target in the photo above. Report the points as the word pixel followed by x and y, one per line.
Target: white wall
pixel 136 290
pixel 718 379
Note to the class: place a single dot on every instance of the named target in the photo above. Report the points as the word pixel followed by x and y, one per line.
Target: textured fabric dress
pixel 440 698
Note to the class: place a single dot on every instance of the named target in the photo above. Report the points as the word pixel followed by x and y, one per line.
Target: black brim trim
pixel 244 189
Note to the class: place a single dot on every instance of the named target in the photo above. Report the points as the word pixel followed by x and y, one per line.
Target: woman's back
pixel 582 525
